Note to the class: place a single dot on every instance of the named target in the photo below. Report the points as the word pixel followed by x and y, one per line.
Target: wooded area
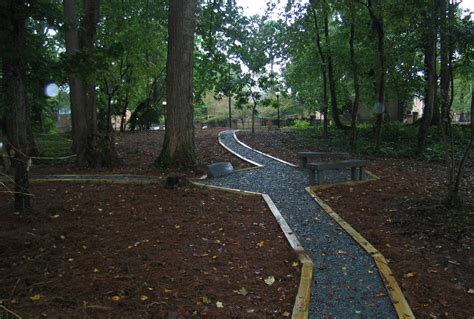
pixel 112 57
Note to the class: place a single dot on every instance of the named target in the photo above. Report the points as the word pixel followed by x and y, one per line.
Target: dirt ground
pixel 429 247
pixel 140 149
pixel 101 250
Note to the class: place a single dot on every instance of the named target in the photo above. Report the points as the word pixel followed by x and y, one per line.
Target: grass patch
pixel 54 144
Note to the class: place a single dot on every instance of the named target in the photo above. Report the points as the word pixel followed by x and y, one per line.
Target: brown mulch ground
pixel 101 250
pixel 140 149
pixel 429 246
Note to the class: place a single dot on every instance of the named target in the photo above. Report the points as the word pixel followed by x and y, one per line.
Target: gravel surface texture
pixel 346 282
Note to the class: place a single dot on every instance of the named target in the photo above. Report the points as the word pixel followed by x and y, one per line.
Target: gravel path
pixel 346 282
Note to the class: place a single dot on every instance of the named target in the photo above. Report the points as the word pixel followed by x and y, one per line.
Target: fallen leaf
pixel 177 226
pixel 219 304
pixel 206 300
pixel 35 297
pixel 55 216
pixel 168 290
pixel 470 291
pixel 96 270
pixel 261 243
pixel 269 280
pixel 286 314
pixel 115 298
pixel 242 291
pixel 410 275
pixel 295 264
pixel 143 297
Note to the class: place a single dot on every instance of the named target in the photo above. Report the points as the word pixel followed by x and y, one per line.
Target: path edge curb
pixel 303 296
pixel 233 152
pixel 400 304
pixel 260 152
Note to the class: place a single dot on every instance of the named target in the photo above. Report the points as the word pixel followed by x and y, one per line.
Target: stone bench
pixel 303 156
pixel 319 167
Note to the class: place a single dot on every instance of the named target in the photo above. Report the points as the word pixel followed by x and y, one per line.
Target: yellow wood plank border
pixel 396 295
pixel 303 296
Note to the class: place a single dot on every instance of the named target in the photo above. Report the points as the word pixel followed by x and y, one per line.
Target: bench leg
pixel 303 162
pixel 353 173
pixel 319 175
pixel 361 173
pixel 311 177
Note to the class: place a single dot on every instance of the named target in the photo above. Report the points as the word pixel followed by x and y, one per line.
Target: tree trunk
pixel 355 75
pixel 91 148
pixel 375 12
pixel 324 109
pixel 13 63
pixel 123 118
pixel 430 68
pixel 330 72
pixel 453 192
pixel 179 149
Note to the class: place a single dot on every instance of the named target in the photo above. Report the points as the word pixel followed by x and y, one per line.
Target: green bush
pixel 302 124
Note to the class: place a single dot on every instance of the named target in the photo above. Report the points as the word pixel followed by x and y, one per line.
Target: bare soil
pixel 429 246
pixel 103 250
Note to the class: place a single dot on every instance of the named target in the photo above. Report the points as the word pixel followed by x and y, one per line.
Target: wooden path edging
pixel 260 152
pixel 399 301
pixel 234 153
pixel 303 296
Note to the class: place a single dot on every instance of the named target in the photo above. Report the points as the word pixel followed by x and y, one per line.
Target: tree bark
pixel 91 148
pixel 375 13
pixel 13 63
pixel 324 109
pixel 355 75
pixel 179 149
pixel 430 69
pixel 330 73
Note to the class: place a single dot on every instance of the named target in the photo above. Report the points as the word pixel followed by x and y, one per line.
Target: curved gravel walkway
pixel 346 282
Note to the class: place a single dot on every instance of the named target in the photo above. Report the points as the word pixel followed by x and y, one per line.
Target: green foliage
pixel 301 125
pixel 398 140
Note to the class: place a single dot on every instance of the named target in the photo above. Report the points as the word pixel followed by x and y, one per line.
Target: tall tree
pixel 13 64
pixel 91 148
pixel 330 70
pixel 430 72
pixel 179 149
pixel 324 108
pixel 375 12
pixel 355 76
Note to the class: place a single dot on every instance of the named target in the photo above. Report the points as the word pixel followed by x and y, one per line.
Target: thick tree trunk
pixel 15 84
pixel 430 69
pixel 375 12
pixel 179 149
pixel 91 148
pixel 330 73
